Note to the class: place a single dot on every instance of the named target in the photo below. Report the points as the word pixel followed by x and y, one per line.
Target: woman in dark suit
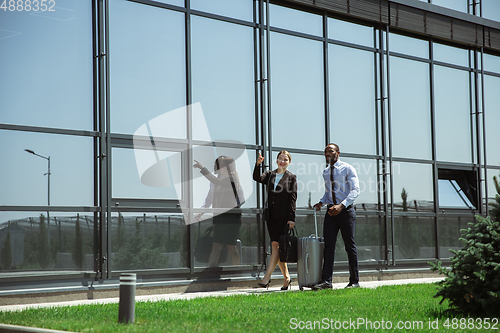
pixel 281 198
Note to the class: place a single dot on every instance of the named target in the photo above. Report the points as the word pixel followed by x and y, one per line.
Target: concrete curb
pixel 4 328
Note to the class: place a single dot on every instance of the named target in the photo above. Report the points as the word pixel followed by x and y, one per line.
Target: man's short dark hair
pixel 335 145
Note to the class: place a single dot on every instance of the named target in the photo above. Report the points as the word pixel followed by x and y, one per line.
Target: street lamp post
pixel 48 188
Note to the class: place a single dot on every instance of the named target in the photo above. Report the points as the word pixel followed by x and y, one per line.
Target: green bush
pixel 472 285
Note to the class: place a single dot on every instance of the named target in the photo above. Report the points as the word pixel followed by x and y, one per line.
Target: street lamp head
pixel 30 151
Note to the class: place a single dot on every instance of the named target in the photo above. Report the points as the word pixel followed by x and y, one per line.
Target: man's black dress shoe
pixel 352 285
pixel 322 285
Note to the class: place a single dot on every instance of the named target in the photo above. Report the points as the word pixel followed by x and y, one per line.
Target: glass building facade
pixel 94 94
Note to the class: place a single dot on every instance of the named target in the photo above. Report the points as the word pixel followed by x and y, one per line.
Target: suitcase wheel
pixel 301 287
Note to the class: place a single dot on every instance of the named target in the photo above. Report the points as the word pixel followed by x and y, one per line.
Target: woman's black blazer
pixel 281 202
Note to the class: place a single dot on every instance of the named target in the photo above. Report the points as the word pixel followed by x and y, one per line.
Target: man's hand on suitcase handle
pixel 291 224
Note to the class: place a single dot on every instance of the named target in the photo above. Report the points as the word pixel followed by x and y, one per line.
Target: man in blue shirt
pixel 341 189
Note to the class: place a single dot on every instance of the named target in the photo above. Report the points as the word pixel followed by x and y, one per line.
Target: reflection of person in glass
pixel 281 199
pixel 225 192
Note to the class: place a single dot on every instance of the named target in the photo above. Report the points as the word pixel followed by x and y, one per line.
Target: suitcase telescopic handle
pixel 315 223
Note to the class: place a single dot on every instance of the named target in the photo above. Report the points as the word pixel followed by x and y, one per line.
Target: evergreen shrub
pixel 472 284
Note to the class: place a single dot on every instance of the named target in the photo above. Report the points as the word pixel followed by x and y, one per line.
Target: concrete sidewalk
pixel 174 296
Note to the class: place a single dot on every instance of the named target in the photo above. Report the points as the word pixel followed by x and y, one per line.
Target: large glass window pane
pixel 451 54
pixel 408 45
pixel 414 237
pixel 350 32
pixel 370 238
pixel 297 92
pixel 492 191
pixel 491 63
pixel 452 104
pixel 179 3
pixel 491 9
pixel 223 78
pixel 39 244
pixel 147 64
pixel 148 241
pixel 352 99
pixel 451 196
pixel 410 109
pixel 413 187
pixel 292 19
pixel 126 181
pixel 242 231
pixel 460 5
pixel 492 116
pixel 46 66
pixel 239 9
pixel 368 187
pixel 23 178
pixel 449 234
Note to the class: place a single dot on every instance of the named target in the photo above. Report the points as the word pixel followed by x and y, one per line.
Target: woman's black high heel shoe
pixel 289 285
pixel 264 285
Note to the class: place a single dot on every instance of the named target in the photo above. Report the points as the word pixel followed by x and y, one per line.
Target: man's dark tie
pixel 332 183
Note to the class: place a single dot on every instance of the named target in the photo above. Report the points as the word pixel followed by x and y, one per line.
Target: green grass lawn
pixel 412 306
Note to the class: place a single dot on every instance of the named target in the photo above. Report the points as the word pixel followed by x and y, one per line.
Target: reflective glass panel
pixel 449 234
pixel 451 54
pixel 492 192
pixel 369 237
pixel 179 3
pixel 126 181
pixel 410 108
pixel 40 244
pixel 309 172
pixel 352 99
pixel 452 113
pixel 23 176
pixel 350 32
pixel 147 64
pixel 491 9
pixel 367 175
pixel 492 116
pixel 491 63
pixel 148 241
pixel 408 45
pixel 235 241
pixel 297 92
pixel 239 9
pixel 243 166
pixel 414 238
pixel 460 5
pixel 223 78
pixel 451 196
pixel 413 187
pixel 46 66
pixel 296 20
